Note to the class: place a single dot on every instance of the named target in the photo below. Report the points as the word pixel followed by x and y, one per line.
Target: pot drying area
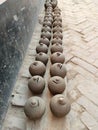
pixel 57 85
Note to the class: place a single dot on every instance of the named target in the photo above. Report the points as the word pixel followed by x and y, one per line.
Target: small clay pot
pixel 47 34
pixel 58 69
pixel 34 108
pixel 48 23
pixel 36 84
pixel 60 105
pixel 42 48
pixel 56 85
pixel 56 48
pixel 42 57
pixel 57 57
pixel 57 28
pixel 44 40
pixel 57 23
pixel 58 34
pixel 56 40
pixel 37 68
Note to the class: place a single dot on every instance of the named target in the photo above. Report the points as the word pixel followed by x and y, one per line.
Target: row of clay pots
pixel 35 106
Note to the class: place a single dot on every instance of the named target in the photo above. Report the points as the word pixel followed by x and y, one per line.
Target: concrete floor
pixel 80 43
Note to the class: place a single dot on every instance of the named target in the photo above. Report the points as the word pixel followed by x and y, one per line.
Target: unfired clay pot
pixel 56 85
pixel 58 69
pixel 56 48
pixel 58 34
pixel 47 34
pixel 37 68
pixel 56 40
pixel 42 57
pixel 57 57
pixel 46 28
pixel 34 108
pixel 60 105
pixel 44 40
pixel 42 48
pixel 36 84
pixel 57 28
pixel 55 23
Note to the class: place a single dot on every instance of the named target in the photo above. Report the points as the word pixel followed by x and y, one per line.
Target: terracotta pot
pixel 57 28
pixel 42 48
pixel 56 40
pixel 57 23
pixel 58 34
pixel 56 85
pixel 60 105
pixel 58 69
pixel 57 57
pixel 46 28
pixel 56 48
pixel 37 68
pixel 44 40
pixel 47 34
pixel 42 57
pixel 36 84
pixel 34 108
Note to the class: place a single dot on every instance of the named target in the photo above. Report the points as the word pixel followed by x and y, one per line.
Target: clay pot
pixel 48 18
pixel 46 28
pixel 36 84
pixel 57 28
pixel 49 15
pixel 48 23
pixel 60 105
pixel 47 4
pixel 56 85
pixel 54 3
pixel 57 57
pixel 46 34
pixel 42 48
pixel 44 40
pixel 58 69
pixel 34 108
pixel 56 15
pixel 42 57
pixel 56 40
pixel 56 48
pixel 58 19
pixel 37 68
pixel 58 34
pixel 57 12
pixel 57 23
pixel 56 9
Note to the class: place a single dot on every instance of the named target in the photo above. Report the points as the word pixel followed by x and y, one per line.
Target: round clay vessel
pixel 57 57
pixel 42 57
pixel 56 48
pixel 58 69
pixel 56 85
pixel 56 40
pixel 55 23
pixel 60 105
pixel 47 34
pixel 48 23
pixel 37 68
pixel 58 34
pixel 34 108
pixel 42 48
pixel 44 40
pixel 36 84
pixel 57 28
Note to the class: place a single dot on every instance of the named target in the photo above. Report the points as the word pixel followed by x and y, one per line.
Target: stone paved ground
pixel 80 43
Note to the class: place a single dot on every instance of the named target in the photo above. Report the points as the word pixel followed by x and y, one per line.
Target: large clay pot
pixel 37 68
pixel 57 28
pixel 57 57
pixel 44 40
pixel 58 69
pixel 42 57
pixel 57 23
pixel 56 85
pixel 47 34
pixel 58 34
pixel 42 48
pixel 56 40
pixel 56 48
pixel 60 105
pixel 36 84
pixel 34 108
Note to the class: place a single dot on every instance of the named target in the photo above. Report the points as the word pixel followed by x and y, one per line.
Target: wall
pixel 17 21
